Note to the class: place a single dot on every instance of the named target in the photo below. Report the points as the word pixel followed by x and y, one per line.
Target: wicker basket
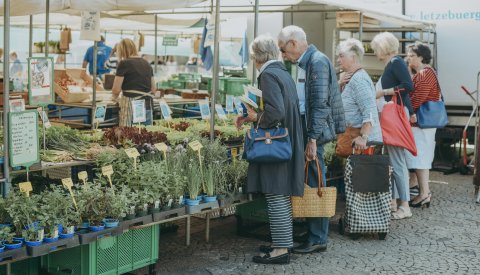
pixel 316 202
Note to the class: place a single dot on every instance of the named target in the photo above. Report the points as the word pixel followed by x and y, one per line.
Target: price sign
pixel 170 40
pixel 229 105
pixel 40 81
pixel 83 176
pixel 44 118
pixel 165 109
pixel 23 138
pixel 162 147
pixel 132 152
pixel 195 145
pixel 204 109
pixel 100 112
pixel 107 171
pixel 139 111
pixel 68 184
pixel 234 154
pixel 25 187
pixel 220 112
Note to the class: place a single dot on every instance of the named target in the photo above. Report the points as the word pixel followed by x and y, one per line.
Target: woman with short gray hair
pixel 280 180
pixel 358 97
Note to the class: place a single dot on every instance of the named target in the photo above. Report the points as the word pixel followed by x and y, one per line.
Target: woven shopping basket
pixel 316 202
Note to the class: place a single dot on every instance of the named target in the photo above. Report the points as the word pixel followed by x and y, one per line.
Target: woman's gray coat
pixel 281 105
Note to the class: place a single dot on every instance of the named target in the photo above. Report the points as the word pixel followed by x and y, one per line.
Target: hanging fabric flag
pixel 244 52
pixel 206 52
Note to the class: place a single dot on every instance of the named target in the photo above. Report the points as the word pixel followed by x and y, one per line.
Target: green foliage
pixel 23 210
pixel 118 202
pixel 194 181
pixel 209 180
pixel 236 174
pixel 4 216
pixel 6 234
pixel 92 203
pixel 329 152
pixel 64 138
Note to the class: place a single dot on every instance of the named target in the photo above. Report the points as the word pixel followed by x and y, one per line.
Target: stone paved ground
pixel 444 239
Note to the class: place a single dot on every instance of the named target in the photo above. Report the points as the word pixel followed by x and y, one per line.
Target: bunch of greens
pixel 64 138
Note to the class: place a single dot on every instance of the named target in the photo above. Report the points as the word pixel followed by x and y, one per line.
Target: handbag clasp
pixel 268 139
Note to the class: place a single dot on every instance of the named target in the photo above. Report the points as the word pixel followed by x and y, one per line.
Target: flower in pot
pixel 6 238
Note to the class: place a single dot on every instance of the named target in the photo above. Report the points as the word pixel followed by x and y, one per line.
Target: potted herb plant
pixel 93 206
pixel 194 183
pixel 209 180
pixel 50 212
pixel 24 212
pixel 117 206
pixel 6 237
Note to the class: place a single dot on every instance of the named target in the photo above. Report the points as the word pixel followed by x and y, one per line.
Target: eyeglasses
pixel 282 49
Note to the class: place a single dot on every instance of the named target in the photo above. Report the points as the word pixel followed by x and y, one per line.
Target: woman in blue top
pixel 358 94
pixel 395 77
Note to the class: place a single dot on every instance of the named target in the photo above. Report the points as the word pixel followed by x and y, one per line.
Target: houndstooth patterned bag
pixel 366 212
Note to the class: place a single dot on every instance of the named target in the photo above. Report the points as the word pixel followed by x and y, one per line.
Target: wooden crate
pixel 351 19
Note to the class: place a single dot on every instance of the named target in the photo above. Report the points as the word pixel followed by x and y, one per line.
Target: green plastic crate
pixel 186 76
pixel 221 84
pixel 111 255
pixel 26 267
pixel 177 84
pixel 234 85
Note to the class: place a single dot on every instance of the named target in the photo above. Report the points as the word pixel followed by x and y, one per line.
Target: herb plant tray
pixel 88 237
pixel 13 254
pixel 168 214
pixel 125 225
pixel 202 207
pixel 230 200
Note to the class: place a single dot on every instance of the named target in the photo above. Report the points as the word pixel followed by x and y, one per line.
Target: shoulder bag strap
pixel 438 83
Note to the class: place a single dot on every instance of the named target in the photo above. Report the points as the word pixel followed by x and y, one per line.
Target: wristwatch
pixel 312 140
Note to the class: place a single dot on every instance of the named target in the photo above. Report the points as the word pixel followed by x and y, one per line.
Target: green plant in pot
pixel 144 199
pixel 6 237
pixel 24 212
pixel 50 212
pixel 209 179
pixel 117 206
pixel 92 205
pixel 177 178
pixel 236 177
pixel 194 183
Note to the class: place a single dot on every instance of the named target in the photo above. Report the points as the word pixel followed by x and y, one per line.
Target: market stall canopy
pixel 29 7
pixel 107 23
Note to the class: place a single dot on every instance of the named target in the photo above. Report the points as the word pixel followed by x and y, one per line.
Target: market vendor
pixel 103 52
pixel 134 78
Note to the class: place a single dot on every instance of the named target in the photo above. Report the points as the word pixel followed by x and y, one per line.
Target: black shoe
pixel 308 247
pixel 267 249
pixel 267 259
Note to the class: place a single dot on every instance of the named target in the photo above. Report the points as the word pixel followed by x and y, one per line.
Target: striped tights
pixel 280 216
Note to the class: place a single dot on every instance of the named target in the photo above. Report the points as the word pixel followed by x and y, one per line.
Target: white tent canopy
pixel 28 7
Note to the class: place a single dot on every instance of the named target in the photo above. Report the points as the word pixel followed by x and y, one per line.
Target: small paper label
pixel 180 200
pixel 195 145
pixel 162 147
pixel 234 153
pixel 132 152
pixel 204 109
pixel 165 109
pixel 238 105
pixel 68 183
pixel 107 170
pixel 25 187
pixel 229 105
pixel 44 118
pixel 170 201
pixel 240 189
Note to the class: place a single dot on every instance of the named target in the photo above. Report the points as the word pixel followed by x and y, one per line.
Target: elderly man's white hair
pixel 292 32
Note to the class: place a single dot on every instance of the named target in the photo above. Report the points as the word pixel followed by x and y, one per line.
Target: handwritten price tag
pixel 68 183
pixel 25 187
pixel 83 176
pixel 234 154
pixel 107 171
pixel 195 145
pixel 162 147
pixel 132 152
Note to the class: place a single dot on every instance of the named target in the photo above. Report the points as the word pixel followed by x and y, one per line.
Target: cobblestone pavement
pixel 443 239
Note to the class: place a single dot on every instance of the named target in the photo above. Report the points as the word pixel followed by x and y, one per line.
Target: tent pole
pixel 94 84
pixel 255 34
pixel 30 37
pixel 6 93
pixel 47 25
pixel 156 43
pixel 216 55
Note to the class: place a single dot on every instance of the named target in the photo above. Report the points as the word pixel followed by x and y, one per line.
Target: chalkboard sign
pixel 23 138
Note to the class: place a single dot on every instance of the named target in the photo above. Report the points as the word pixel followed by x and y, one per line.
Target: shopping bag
pixel 315 202
pixel 396 129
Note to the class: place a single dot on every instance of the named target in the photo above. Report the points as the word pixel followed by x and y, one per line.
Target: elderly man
pixel 322 114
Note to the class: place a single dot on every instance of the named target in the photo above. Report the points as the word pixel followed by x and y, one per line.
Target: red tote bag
pixel 396 129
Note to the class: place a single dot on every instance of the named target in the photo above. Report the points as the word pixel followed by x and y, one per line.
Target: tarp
pixel 28 7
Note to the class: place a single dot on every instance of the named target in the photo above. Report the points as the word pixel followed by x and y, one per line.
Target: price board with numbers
pixel 23 138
